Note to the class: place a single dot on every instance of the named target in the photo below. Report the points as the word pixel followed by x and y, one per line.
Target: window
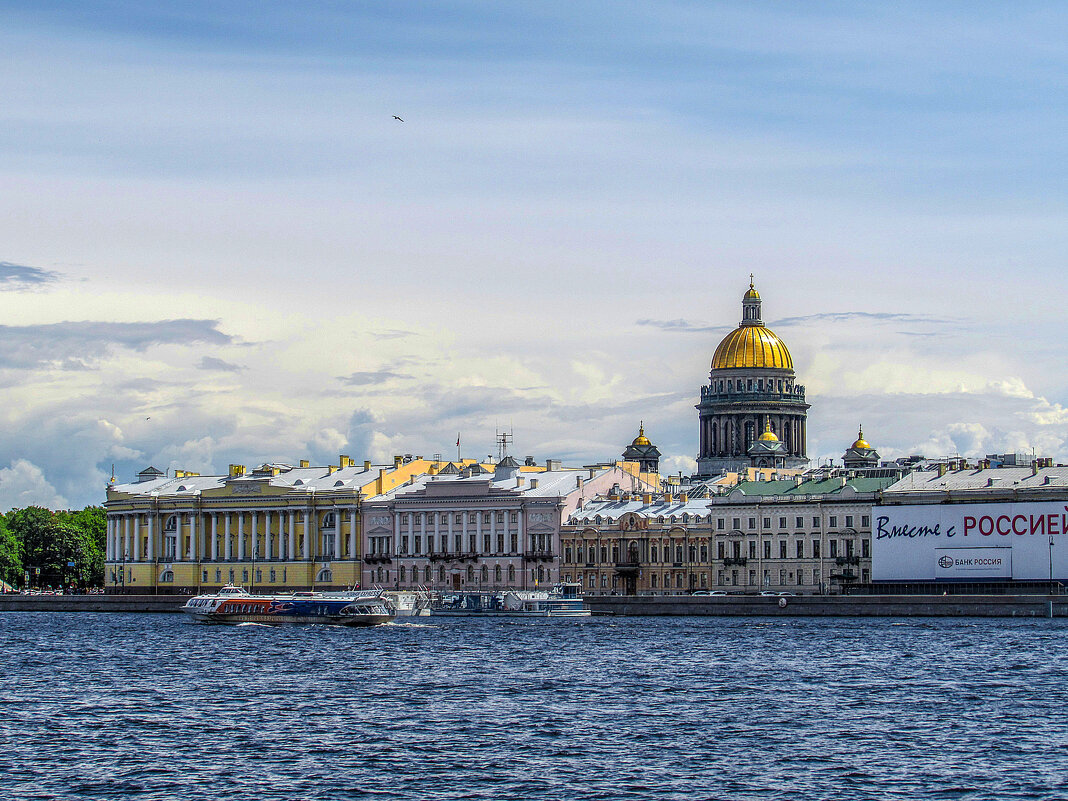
pixel 815 522
pixel 816 577
pixel 767 549
pixel 604 553
pixel 418 545
pixel 604 580
pixel 865 548
pixel 815 549
pixel 865 521
pixel 513 517
pixel 426 574
pixel 444 520
pixel 678 580
pixel 736 549
pixel 218 576
pixel 485 543
pixel 652 581
pixel 849 547
pixel 737 523
pixel 458 519
pixel 472 518
pixel 205 577
pixel 273 575
pixel 752 522
pixel 497 573
pixel 678 553
pixel 486 518
pixel 244 575
pixel 834 548
pixel 719 550
pixel 329 520
pixel 752 577
pixel 721 524
pixel 849 521
pixel 752 549
pixel 515 543
pixel 704 580
pixel 782 578
pixel 782 522
pixel 511 572
pixel 567 554
pixel 470 574
pixel 800 549
pixel 704 553
pixel 500 517
pixel 472 542
pixel 800 522
pixel 652 555
pixel 403 572
pixel 485 573
pixel 833 522
pixel 767 522
pixel 782 549
pixel 171 524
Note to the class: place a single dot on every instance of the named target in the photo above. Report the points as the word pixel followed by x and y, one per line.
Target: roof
pixel 752 346
pixel 975 480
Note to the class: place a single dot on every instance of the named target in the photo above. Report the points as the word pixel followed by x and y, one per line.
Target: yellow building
pixel 276 527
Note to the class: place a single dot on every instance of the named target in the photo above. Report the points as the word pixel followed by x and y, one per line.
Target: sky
pixel 217 245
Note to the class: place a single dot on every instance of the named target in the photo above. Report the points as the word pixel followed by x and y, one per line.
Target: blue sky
pixel 217 245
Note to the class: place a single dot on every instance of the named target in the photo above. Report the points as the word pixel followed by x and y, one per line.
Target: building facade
pixel 751 391
pixel 472 529
pixel 787 535
pixel 276 527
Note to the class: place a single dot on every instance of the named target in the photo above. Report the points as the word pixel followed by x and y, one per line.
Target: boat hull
pixel 235 606
pixel 292 620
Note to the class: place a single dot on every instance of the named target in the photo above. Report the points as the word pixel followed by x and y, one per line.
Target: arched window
pixel 470 574
pixel 652 581
pixel 441 573
pixel 485 573
pixel 325 575
pixel 166 577
pixel 511 572
pixel 171 524
pixel 497 573
pixel 329 521
pixel 402 573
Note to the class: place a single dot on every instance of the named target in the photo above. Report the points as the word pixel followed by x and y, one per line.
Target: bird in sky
pixel 398 119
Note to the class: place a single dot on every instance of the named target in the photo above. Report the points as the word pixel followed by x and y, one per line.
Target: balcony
pixel 538 556
pixel 847 560
pixel 732 561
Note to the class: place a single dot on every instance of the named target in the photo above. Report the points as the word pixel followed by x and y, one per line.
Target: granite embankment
pixel 834 605
pixel 92 603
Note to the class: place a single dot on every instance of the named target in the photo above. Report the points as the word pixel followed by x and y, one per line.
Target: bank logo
pixel 945 562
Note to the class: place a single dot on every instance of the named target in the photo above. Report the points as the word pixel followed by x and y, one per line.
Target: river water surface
pixel 115 706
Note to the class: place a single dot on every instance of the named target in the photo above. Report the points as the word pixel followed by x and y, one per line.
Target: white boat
pixel 562 600
pixel 233 604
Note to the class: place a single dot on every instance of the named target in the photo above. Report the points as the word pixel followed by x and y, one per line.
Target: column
pixel 309 523
pixel 215 536
pixel 137 537
pixel 522 538
pixel 241 536
pixel 254 538
pixel 352 534
pixel 291 552
pixel 267 550
pixel 194 536
pixel 107 539
pixel 150 552
pixel 337 534
pixel 229 543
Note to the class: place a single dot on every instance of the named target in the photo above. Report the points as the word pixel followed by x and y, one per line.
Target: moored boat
pixel 233 604
pixel 562 600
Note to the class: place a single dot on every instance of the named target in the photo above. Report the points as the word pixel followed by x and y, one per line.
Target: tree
pixel 10 557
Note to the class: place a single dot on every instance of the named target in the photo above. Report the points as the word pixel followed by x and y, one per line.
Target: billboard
pixel 970 542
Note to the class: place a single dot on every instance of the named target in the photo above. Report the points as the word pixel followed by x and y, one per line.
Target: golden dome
pixel 752 294
pixel 768 435
pixel 641 439
pixel 752 346
pixel 861 443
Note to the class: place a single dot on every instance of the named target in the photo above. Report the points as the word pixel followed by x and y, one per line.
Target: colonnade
pixel 724 434
pixel 231 535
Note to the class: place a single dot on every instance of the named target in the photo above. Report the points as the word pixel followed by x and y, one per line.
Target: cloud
pixel 879 317
pixel 212 363
pixel 392 333
pixel 683 326
pixel 23 484
pixel 371 377
pixel 21 277
pixel 81 345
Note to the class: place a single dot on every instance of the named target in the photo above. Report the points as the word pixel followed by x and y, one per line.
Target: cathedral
pixel 752 412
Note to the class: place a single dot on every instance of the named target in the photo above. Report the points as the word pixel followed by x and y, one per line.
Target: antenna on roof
pixel 503 438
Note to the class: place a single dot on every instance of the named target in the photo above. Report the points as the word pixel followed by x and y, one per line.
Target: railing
pixel 798 394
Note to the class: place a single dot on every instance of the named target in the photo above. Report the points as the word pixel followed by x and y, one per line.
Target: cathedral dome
pixel 752 346
pixel 861 443
pixel 768 436
pixel 641 439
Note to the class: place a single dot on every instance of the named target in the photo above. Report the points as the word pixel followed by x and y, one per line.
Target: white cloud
pixel 23 484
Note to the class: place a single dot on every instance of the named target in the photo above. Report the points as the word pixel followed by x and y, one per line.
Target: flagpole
pixel 458 459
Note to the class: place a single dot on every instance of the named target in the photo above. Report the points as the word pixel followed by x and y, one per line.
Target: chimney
pixel 941 468
pixel 552 464
pixel 533 483
pixel 366 464
pixel 798 480
pixel 519 481
pixel 305 463
pixel 1034 467
pixel 684 498
pixel 592 471
pixel 397 461
pixel 990 482
pixel 647 498
pixel 578 482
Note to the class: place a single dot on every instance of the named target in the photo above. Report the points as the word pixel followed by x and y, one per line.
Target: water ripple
pixel 104 706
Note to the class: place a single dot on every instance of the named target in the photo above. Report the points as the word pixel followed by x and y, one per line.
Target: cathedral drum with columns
pixel 752 412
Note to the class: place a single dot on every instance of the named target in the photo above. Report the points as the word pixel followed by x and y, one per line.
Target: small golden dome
pixel 752 346
pixel 752 294
pixel 861 443
pixel 768 435
pixel 641 439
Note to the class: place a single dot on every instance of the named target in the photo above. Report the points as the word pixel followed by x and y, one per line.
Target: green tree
pixel 10 556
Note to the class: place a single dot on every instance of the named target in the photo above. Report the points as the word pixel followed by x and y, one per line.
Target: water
pixel 112 706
